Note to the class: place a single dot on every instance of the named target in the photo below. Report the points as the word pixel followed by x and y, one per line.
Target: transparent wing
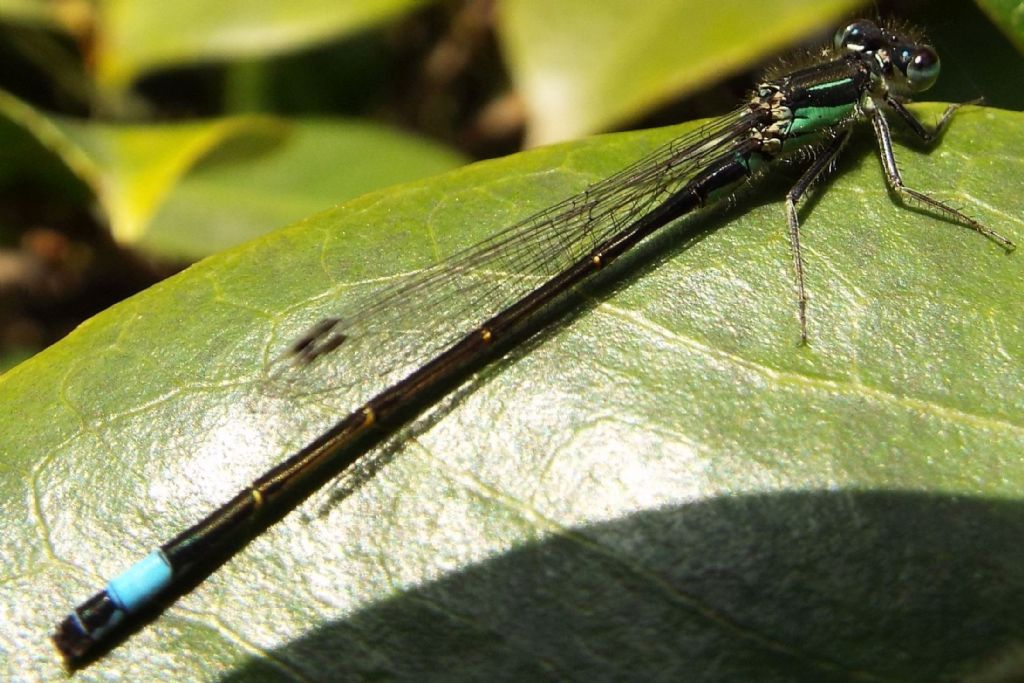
pixel 406 322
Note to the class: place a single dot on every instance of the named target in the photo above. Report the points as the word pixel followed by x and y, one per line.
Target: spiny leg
pixel 895 178
pixel 927 136
pixel 820 166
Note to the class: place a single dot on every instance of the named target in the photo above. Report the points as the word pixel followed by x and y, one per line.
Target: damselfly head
pixel 905 61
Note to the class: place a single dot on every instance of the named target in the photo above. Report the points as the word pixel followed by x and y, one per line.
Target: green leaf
pixel 189 189
pixel 131 169
pixel 664 482
pixel 134 168
pixel 241 191
pixel 71 15
pixel 135 36
pixel 582 66
pixel 1007 15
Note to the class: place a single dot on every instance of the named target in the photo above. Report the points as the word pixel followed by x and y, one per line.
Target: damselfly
pixel 806 115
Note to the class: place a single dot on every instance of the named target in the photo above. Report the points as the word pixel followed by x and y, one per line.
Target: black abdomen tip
pixel 70 640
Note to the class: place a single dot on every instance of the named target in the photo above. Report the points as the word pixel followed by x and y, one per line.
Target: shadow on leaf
pixel 818 586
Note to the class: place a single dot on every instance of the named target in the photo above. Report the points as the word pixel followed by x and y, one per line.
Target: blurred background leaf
pixel 59 14
pixel 135 36
pixel 267 172
pixel 1009 16
pixel 581 66
pixel 240 192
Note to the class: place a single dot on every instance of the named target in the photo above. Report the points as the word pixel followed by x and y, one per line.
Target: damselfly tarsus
pixel 805 115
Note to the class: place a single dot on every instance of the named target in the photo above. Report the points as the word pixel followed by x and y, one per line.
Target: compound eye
pixel 860 36
pixel 922 69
